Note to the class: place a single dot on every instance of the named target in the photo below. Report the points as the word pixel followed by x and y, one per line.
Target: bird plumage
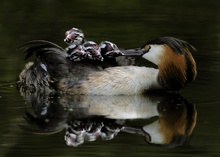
pixel 54 70
pixel 174 60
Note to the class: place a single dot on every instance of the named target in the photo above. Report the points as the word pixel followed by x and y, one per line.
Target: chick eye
pixel 95 46
pixel 108 48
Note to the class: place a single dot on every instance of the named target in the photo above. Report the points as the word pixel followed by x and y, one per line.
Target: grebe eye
pixel 147 48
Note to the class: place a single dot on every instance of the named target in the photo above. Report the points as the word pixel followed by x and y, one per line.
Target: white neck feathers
pixel 156 136
pixel 155 54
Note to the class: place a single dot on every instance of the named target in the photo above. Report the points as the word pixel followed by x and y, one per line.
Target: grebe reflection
pixel 86 118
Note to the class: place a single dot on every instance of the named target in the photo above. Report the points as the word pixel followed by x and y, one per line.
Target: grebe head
pixel 74 36
pixel 92 49
pixel 109 49
pixel 174 60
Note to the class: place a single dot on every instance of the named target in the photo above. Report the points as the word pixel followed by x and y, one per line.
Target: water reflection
pixel 168 118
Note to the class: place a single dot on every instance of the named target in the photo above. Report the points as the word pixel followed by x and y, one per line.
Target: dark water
pixel 111 126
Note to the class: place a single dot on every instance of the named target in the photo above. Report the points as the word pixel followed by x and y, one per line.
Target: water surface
pixel 129 25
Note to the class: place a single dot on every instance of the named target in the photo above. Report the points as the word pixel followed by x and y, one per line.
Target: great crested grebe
pixel 53 70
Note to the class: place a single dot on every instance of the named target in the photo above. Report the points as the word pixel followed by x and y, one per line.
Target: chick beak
pixel 68 41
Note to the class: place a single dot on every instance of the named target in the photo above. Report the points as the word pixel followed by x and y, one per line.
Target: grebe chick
pixel 77 52
pixel 109 49
pixel 89 50
pixel 92 49
pixel 52 68
pixel 74 36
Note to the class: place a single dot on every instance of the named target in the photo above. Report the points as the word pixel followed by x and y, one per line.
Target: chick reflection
pixel 85 118
pixel 79 131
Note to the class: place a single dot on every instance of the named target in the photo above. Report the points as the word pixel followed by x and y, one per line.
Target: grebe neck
pixel 176 70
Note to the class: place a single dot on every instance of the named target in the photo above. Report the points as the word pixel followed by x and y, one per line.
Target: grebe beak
pixel 137 51
pixel 134 52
